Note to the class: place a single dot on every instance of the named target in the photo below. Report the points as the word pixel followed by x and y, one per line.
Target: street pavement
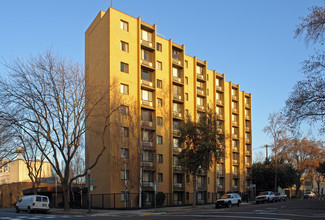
pixel 293 209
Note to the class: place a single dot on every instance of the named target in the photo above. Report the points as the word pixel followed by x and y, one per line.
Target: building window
pixel 124 174
pixel 124 89
pixel 159 102
pixel 124 110
pixel 159 121
pixel 145 75
pixel 159 84
pixel 159 139
pixel 186 112
pixel 124 46
pixel 160 177
pixel 124 153
pixel 159 65
pixel 159 47
pixel 125 132
pixel 124 67
pixel 186 63
pixel 159 158
pixel 124 197
pixel 186 80
pixel 186 96
pixel 147 36
pixel 124 25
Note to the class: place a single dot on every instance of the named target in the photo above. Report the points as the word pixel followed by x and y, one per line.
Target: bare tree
pixel 307 99
pixel 277 129
pixel 7 149
pixel 45 98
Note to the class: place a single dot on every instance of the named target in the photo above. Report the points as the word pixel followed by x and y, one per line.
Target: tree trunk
pixel 194 189
pixel 65 189
pixel 34 188
pixel 140 186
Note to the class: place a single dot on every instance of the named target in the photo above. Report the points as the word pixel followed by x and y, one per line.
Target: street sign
pixel 92 180
pixel 155 186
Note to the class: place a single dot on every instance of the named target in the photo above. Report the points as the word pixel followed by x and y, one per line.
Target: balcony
pixel 178 186
pixel 147 103
pixel 235 123
pixel 147 164
pixel 247 117
pixel 235 162
pixel 235 149
pixel 219 130
pixel 247 105
pixel 147 63
pixel 178 97
pixel 234 97
pixel 177 114
pixel 177 169
pixel 234 187
pixel 247 140
pixel 176 133
pixel 148 124
pixel 200 77
pixel 235 175
pixel 200 92
pixel 147 85
pixel 247 128
pixel 220 116
pixel 147 184
pixel 220 173
pixel 201 187
pixel 147 145
pixel 219 102
pixel 177 149
pixel 220 187
pixel 234 110
pixel 247 164
pixel 219 88
pixel 147 44
pixel 235 136
pixel 247 152
pixel 200 107
pixel 177 79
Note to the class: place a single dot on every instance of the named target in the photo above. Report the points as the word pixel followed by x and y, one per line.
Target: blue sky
pixel 250 41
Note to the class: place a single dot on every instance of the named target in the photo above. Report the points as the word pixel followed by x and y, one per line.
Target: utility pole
pixel 266 148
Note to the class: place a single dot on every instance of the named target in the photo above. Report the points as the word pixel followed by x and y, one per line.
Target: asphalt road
pixel 290 210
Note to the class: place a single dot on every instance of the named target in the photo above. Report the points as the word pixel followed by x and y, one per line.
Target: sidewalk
pixel 135 212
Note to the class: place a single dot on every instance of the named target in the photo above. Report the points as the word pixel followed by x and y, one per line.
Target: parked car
pixel 227 200
pixel 309 195
pixel 280 197
pixel 33 203
pixel 267 196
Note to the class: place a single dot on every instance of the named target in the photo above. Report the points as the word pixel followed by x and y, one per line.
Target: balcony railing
pixel 146 102
pixel 219 102
pixel 177 149
pixel 248 152
pixel 200 91
pixel 219 172
pixel 148 164
pixel 234 135
pixel 147 144
pixel 147 63
pixel 235 161
pixel 178 186
pixel 177 168
pixel 235 148
pixel 200 76
pixel 234 97
pixel 234 187
pixel 219 88
pixel 147 83
pixel 247 117
pixel 200 107
pixel 178 97
pixel 177 79
pixel 177 61
pixel 177 114
pixel 247 105
pixel 176 132
pixel 220 186
pixel 235 123
pixel 147 184
pixel 147 43
pixel 147 123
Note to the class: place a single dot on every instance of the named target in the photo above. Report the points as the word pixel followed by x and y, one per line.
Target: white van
pixel 33 203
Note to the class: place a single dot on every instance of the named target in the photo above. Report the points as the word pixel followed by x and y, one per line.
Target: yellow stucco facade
pixel 158 85
pixel 17 171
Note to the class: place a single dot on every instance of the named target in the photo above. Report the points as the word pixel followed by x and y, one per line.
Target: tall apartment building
pixel 159 85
